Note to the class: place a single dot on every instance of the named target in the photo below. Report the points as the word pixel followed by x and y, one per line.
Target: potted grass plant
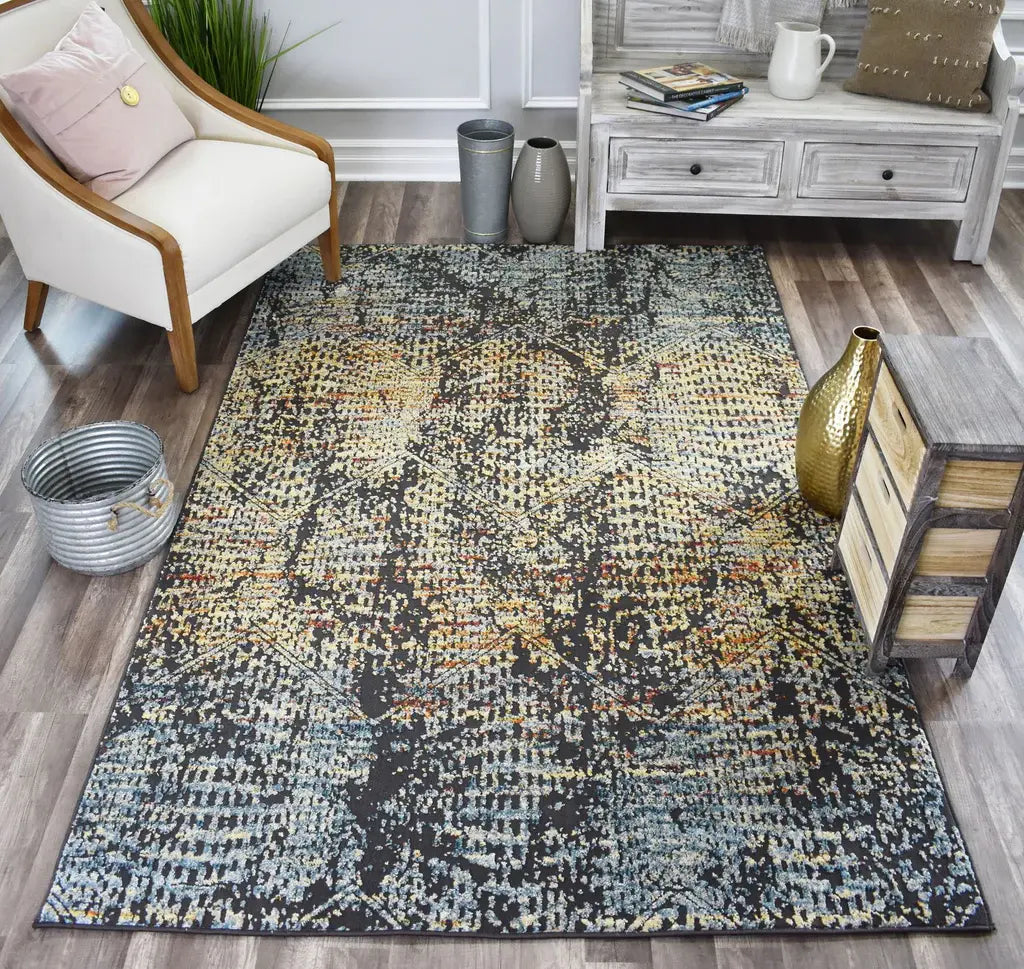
pixel 226 43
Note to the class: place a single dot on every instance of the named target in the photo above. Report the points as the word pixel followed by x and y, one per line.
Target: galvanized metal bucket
pixel 102 496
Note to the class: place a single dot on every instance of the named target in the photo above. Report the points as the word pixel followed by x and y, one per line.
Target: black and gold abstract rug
pixel 493 609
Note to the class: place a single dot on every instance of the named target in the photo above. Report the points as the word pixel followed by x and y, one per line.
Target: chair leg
pixel 330 249
pixel 37 293
pixel 183 348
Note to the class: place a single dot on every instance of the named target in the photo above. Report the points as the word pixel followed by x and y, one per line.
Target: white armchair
pixel 213 216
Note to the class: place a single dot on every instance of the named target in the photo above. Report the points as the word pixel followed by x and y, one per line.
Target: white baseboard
pixel 1015 169
pixel 407 159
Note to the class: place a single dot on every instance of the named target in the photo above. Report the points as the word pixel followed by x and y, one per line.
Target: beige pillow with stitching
pixel 932 51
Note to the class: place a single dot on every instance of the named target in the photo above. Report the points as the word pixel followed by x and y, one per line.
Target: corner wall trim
pixel 407 159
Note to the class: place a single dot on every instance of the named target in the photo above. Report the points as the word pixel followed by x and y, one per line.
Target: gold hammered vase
pixel 832 421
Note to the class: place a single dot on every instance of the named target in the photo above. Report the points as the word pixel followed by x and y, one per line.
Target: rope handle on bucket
pixel 156 506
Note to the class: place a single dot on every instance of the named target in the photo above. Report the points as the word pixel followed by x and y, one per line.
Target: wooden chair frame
pixel 180 336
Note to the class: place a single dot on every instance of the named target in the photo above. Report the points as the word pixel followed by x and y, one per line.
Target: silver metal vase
pixel 485 164
pixel 540 189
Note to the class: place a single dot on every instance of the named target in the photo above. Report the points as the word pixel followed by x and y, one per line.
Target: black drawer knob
pixel 887 174
pixel 695 168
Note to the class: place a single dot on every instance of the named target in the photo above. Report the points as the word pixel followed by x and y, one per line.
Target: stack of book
pixel 693 91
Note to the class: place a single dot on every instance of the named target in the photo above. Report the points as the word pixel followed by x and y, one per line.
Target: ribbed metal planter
pixel 102 496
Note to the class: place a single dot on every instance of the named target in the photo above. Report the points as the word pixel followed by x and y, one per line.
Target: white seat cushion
pixel 223 200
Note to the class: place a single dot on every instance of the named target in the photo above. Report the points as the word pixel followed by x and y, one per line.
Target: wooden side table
pixel 936 511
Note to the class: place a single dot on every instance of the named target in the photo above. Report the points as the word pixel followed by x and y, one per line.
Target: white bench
pixel 837 154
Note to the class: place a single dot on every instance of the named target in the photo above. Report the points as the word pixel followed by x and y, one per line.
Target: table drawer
pixel 878 496
pixel 979 484
pixel 898 437
pixel 925 173
pixel 957 551
pixel 694 166
pixel 934 618
pixel 866 578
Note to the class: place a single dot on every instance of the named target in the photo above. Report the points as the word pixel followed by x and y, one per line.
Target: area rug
pixel 493 609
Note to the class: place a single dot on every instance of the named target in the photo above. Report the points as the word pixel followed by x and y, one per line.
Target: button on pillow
pixel 98 106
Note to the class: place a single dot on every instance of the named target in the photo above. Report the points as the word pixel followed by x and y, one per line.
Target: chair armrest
pixel 68 236
pixel 220 117
pixel 1005 79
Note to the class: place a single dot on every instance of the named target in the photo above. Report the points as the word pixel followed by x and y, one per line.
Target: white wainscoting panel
pixel 385 57
pixel 390 85
pixel 548 64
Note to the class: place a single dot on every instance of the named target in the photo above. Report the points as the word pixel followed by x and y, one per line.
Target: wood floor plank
pixel 64 639
pixel 830 323
pixel 843 952
pixel 1003 323
pixel 12 379
pixel 12 525
pixel 618 954
pixel 750 952
pixel 487 953
pixel 809 348
pixel 869 251
pixel 430 213
pixel 855 307
pixel 21 579
pixel 75 640
pixel 35 753
pixel 19 427
pixel 46 657
pixel 987 759
pixel 355 210
pixel 382 222
pixel 93 396
pixel 697 952
pixel 177 950
pixel 370 212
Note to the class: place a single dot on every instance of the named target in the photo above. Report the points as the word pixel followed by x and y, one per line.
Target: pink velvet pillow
pixel 98 106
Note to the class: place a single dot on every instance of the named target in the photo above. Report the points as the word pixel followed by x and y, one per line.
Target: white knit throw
pixel 750 24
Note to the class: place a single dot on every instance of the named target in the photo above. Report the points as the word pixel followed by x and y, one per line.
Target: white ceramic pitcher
pixel 796 66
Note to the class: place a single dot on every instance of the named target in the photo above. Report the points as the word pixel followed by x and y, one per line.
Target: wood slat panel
pixel 957 551
pixel 652 31
pixel 979 484
pixel 935 617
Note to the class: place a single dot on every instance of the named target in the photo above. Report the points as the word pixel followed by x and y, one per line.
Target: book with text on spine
pixel 679 82
pixel 698 111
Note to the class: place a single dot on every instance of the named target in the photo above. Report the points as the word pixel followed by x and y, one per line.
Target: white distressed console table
pixel 837 154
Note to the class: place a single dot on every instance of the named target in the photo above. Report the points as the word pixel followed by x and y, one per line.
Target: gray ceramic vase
pixel 540 189
pixel 485 164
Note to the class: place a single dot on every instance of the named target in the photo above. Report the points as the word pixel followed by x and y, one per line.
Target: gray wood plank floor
pixel 64 639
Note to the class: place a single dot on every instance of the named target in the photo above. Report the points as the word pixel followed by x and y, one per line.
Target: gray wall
pixel 389 85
